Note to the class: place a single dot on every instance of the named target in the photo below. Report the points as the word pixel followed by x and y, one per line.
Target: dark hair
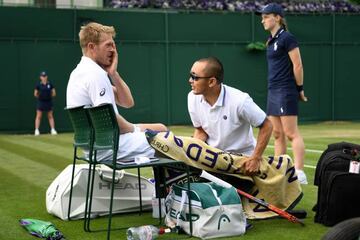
pixel 214 68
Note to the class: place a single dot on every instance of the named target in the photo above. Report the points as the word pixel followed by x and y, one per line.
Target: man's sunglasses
pixel 195 78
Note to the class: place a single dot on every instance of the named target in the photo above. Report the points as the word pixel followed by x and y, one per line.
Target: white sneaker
pixel 53 131
pixel 37 132
pixel 301 176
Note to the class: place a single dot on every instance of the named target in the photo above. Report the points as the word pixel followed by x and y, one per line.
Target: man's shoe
pixel 53 132
pixel 37 132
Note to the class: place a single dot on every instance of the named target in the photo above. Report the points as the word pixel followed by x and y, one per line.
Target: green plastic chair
pixel 83 138
pixel 106 136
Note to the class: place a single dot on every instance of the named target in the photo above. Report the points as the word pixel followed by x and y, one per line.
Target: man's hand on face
pixel 112 68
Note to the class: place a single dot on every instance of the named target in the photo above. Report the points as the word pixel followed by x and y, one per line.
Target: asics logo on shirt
pixel 102 93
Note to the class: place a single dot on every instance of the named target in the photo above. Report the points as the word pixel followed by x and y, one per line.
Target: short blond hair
pixel 92 31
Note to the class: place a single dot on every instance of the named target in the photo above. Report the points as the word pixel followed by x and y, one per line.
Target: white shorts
pixel 131 145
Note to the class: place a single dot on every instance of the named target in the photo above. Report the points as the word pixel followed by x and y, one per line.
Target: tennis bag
pixel 215 211
pixel 338 180
pixel 126 192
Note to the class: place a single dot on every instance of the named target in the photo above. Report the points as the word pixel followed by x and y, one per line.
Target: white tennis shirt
pixel 89 85
pixel 229 122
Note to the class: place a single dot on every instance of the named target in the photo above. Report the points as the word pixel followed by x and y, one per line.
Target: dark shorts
pixel 44 106
pixel 282 102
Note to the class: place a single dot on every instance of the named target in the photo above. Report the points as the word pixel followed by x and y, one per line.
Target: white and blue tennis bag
pixel 126 193
pixel 215 211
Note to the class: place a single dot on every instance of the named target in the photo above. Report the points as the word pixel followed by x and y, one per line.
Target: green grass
pixel 28 165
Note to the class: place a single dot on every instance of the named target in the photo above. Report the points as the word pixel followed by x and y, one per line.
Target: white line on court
pixel 309 166
pixel 306 150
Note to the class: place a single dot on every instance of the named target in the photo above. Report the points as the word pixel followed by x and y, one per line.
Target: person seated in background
pixel 89 84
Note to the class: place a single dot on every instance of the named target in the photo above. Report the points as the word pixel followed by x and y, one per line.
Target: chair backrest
pixel 105 126
pixel 83 131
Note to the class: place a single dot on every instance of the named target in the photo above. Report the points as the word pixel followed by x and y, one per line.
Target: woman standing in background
pixel 285 85
pixel 44 92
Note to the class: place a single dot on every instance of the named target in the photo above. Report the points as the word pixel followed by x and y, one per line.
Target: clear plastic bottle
pixel 147 232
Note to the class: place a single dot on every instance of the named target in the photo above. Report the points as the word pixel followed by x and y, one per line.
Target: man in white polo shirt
pixel 89 84
pixel 224 116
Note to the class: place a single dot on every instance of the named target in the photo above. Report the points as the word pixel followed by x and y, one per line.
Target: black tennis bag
pixel 338 188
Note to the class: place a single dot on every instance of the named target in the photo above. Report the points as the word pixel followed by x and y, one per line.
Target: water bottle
pixel 147 232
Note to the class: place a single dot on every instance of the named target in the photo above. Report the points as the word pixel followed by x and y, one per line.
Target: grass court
pixel 29 164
